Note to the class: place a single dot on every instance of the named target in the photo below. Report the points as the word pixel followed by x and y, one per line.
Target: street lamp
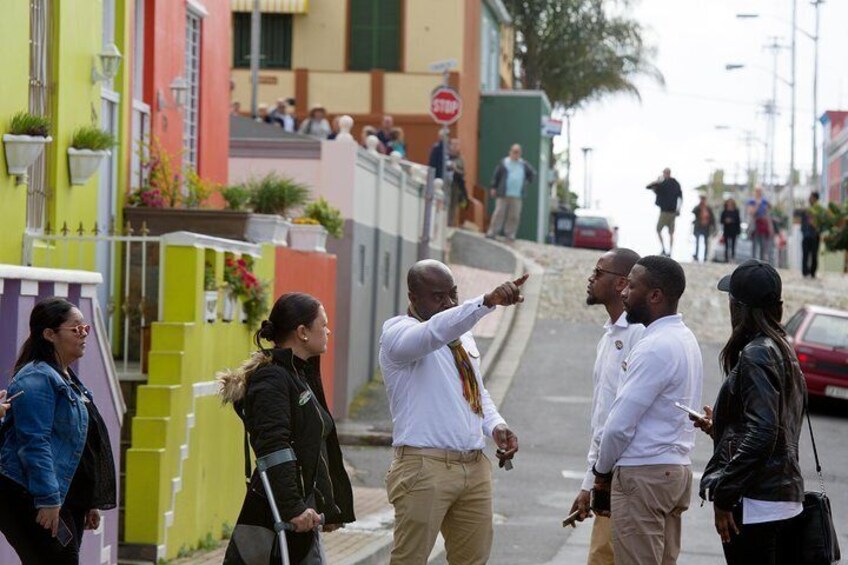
pixel 586 186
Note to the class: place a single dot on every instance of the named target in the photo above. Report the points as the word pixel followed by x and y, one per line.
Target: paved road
pixel 548 405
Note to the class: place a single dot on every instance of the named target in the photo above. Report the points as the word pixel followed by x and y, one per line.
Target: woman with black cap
pixel 753 478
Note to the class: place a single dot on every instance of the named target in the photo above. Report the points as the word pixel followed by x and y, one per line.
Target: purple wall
pixel 17 298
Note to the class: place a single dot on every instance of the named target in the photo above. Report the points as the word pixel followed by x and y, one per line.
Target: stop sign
pixel 445 105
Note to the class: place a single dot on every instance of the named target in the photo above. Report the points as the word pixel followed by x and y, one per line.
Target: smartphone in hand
pixel 63 533
pixel 571 519
pixel 694 413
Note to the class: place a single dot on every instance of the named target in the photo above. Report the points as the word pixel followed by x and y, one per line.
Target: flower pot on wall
pixel 22 151
pixel 217 223
pixel 210 300
pixel 231 306
pixel 263 228
pixel 82 163
pixel 307 237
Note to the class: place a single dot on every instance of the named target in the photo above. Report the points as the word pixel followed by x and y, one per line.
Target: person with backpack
pixel 56 465
pixel 278 394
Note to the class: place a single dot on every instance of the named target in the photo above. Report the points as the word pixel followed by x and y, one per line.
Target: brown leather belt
pixel 450 455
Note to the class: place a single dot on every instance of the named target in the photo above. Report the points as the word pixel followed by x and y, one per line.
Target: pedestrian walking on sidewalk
pixel 608 279
pixel 279 396
pixel 731 228
pixel 56 465
pixel 810 239
pixel 704 223
pixel 760 226
pixel 440 480
pixel 754 478
pixel 509 186
pixel 669 198
pixel 643 460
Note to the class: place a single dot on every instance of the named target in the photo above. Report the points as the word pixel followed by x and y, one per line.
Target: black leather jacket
pixel 757 422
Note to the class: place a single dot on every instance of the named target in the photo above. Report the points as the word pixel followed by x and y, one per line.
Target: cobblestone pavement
pixel 704 308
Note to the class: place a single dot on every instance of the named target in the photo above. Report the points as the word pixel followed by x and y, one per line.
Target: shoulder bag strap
pixel 813 441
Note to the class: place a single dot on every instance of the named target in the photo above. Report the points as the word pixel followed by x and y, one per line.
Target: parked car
pixel 820 338
pixel 594 230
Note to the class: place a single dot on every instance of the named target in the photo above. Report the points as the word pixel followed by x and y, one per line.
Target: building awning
pixel 272 6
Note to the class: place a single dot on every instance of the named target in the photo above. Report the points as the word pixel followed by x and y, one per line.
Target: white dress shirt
pixel 644 427
pixel 422 381
pixel 613 348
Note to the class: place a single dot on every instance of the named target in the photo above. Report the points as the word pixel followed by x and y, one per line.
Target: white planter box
pixel 305 237
pixel 83 163
pixel 231 305
pixel 22 151
pixel 210 301
pixel 263 228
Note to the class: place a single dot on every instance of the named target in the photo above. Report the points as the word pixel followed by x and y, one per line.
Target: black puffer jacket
pixel 757 422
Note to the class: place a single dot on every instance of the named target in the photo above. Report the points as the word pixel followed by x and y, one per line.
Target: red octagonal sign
pixel 445 105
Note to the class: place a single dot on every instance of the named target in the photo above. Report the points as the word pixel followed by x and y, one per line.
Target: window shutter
pixel 387 55
pixel 362 47
pixel 241 40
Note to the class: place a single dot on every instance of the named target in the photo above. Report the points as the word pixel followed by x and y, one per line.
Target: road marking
pixel 568 399
pixel 580 475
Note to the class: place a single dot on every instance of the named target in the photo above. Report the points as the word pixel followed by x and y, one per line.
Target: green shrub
pixel 326 215
pixel 93 138
pixel 276 194
pixel 24 123
pixel 237 197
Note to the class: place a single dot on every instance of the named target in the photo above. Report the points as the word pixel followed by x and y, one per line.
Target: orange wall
pixel 315 274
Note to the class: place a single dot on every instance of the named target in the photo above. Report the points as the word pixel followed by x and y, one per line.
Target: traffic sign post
pixel 445 105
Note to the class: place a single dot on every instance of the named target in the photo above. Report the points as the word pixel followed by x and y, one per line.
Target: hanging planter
pixel 231 306
pixel 308 237
pixel 210 300
pixel 83 163
pixel 22 151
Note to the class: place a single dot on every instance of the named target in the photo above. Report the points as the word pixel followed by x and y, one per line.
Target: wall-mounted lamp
pixel 110 62
pixel 179 89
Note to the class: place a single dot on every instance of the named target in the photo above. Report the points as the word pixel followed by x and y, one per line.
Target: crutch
pixel 280 527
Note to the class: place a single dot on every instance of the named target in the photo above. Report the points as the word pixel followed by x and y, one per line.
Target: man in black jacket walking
pixel 669 199
pixel 810 239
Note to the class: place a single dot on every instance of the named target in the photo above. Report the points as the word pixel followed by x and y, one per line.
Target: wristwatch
pixel 605 476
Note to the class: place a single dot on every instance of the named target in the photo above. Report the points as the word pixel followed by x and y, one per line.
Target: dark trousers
pixel 729 248
pixel 33 544
pixel 698 236
pixel 809 256
pixel 770 543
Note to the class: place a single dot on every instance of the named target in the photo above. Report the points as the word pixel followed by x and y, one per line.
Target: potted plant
pixel 271 198
pixel 27 136
pixel 89 146
pixel 309 232
pixel 236 196
pixel 210 294
pixel 243 283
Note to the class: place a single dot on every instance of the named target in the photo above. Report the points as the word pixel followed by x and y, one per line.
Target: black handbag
pixel 819 545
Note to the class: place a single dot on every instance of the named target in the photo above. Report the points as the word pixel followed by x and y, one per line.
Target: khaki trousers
pixel 432 494
pixel 506 216
pixel 600 546
pixel 647 503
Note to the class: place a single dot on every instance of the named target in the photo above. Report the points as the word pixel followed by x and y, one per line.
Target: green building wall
pixel 515 116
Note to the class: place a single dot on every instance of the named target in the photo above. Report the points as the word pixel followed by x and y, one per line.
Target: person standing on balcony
pixel 56 465
pixel 512 177
pixel 279 396
pixel 440 480
pixel 316 124
pixel 281 116
pixel 384 134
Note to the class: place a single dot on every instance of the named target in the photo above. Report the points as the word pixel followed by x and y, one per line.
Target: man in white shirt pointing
pixel 439 479
pixel 608 279
pixel 644 453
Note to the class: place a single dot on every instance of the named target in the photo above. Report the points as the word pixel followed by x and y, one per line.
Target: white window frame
pixel 191 121
pixel 40 73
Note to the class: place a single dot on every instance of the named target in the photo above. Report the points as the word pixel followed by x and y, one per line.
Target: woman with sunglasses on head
pixel 754 478
pixel 56 466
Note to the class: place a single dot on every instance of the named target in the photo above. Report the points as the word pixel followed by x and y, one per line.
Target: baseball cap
pixel 753 283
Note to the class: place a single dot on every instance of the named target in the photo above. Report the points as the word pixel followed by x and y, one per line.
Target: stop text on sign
pixel 445 105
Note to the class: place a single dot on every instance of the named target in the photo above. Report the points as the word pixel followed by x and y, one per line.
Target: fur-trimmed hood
pixel 232 382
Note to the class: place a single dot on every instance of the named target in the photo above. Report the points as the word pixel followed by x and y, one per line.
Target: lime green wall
pixel 181 433
pixel 14 29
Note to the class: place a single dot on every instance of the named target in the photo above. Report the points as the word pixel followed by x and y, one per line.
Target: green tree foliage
pixel 577 51
pixel 832 221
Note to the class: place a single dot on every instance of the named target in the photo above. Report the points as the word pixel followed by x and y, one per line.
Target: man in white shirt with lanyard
pixel 439 479
pixel 608 279
pixel 644 455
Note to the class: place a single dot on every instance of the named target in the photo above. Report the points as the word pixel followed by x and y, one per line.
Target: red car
pixel 820 338
pixel 593 232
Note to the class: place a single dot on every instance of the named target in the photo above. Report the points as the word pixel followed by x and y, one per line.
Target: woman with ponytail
pixel 56 466
pixel 279 396
pixel 753 478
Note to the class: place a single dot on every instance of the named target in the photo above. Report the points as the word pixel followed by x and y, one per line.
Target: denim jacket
pixel 45 432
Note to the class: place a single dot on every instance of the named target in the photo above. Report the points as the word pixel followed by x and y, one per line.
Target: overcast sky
pixel 674 126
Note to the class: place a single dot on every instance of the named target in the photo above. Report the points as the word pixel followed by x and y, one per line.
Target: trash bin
pixel 562 220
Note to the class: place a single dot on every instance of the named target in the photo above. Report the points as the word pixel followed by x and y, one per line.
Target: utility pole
pixel 790 209
pixel 815 179
pixel 587 190
pixel 771 111
pixel 255 29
